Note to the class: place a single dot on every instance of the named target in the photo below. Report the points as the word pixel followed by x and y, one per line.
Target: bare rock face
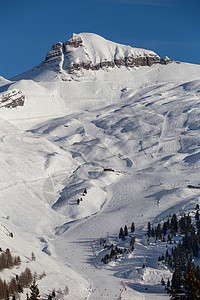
pixel 12 99
pixel 55 53
pixel 92 52
pixel 74 42
pixel 166 61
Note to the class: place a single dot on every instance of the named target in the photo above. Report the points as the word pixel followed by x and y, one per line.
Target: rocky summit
pixel 90 51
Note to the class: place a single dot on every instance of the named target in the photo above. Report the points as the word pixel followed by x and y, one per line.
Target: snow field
pixel 145 128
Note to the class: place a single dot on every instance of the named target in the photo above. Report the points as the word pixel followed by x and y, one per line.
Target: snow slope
pixel 142 123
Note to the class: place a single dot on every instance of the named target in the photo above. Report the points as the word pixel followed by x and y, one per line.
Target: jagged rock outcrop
pixel 55 53
pixel 166 61
pixel 92 52
pixel 12 99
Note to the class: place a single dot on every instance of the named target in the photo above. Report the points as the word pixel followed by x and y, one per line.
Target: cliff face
pixel 92 52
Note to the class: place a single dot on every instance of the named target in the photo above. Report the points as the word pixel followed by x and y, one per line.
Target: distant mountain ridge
pixel 90 51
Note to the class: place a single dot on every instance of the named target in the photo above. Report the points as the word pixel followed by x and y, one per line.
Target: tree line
pixel 15 285
pixel 180 258
pixel 7 260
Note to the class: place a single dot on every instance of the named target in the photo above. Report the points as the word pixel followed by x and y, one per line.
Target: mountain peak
pixel 91 51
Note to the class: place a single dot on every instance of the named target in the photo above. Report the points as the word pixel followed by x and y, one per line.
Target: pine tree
pixel 174 224
pixel 13 286
pixel 149 229
pixel 125 230
pixel 132 227
pixel 191 284
pixel 164 228
pixel 176 279
pixel 158 232
pixel 197 216
pixel 33 258
pixel 9 259
pixel 168 283
pixel 54 293
pixel 162 281
pixel 121 234
pixel 35 294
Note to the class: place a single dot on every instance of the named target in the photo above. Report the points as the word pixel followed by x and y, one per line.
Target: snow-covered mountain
pixel 87 51
pixel 90 51
pixel 118 122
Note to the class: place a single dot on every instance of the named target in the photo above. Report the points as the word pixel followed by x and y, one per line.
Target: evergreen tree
pixel 176 279
pixel 132 227
pixel 13 286
pixel 164 228
pixel 197 272
pixel 168 283
pixel 54 293
pixel 158 232
pixel 35 294
pixel 125 230
pixel 197 216
pixel 191 284
pixel 162 281
pixel 121 234
pixel 33 258
pixel 152 232
pixel 174 224
pixel 149 229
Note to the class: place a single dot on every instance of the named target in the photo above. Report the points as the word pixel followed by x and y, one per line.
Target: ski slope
pixel 143 124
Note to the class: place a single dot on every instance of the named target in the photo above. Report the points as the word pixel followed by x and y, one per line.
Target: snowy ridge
pixel 88 51
pixel 4 81
pixel 92 51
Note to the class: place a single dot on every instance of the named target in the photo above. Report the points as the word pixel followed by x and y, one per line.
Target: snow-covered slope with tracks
pixel 143 123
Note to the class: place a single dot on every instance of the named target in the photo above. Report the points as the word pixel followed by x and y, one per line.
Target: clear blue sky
pixel 30 27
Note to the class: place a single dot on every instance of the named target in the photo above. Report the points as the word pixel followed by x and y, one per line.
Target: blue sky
pixel 30 27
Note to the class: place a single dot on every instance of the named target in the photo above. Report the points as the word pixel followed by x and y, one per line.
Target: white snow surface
pixel 142 123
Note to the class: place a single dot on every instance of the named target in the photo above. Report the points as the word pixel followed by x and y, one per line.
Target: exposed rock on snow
pixel 90 51
pixel 12 99
pixel 55 53
pixel 166 60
